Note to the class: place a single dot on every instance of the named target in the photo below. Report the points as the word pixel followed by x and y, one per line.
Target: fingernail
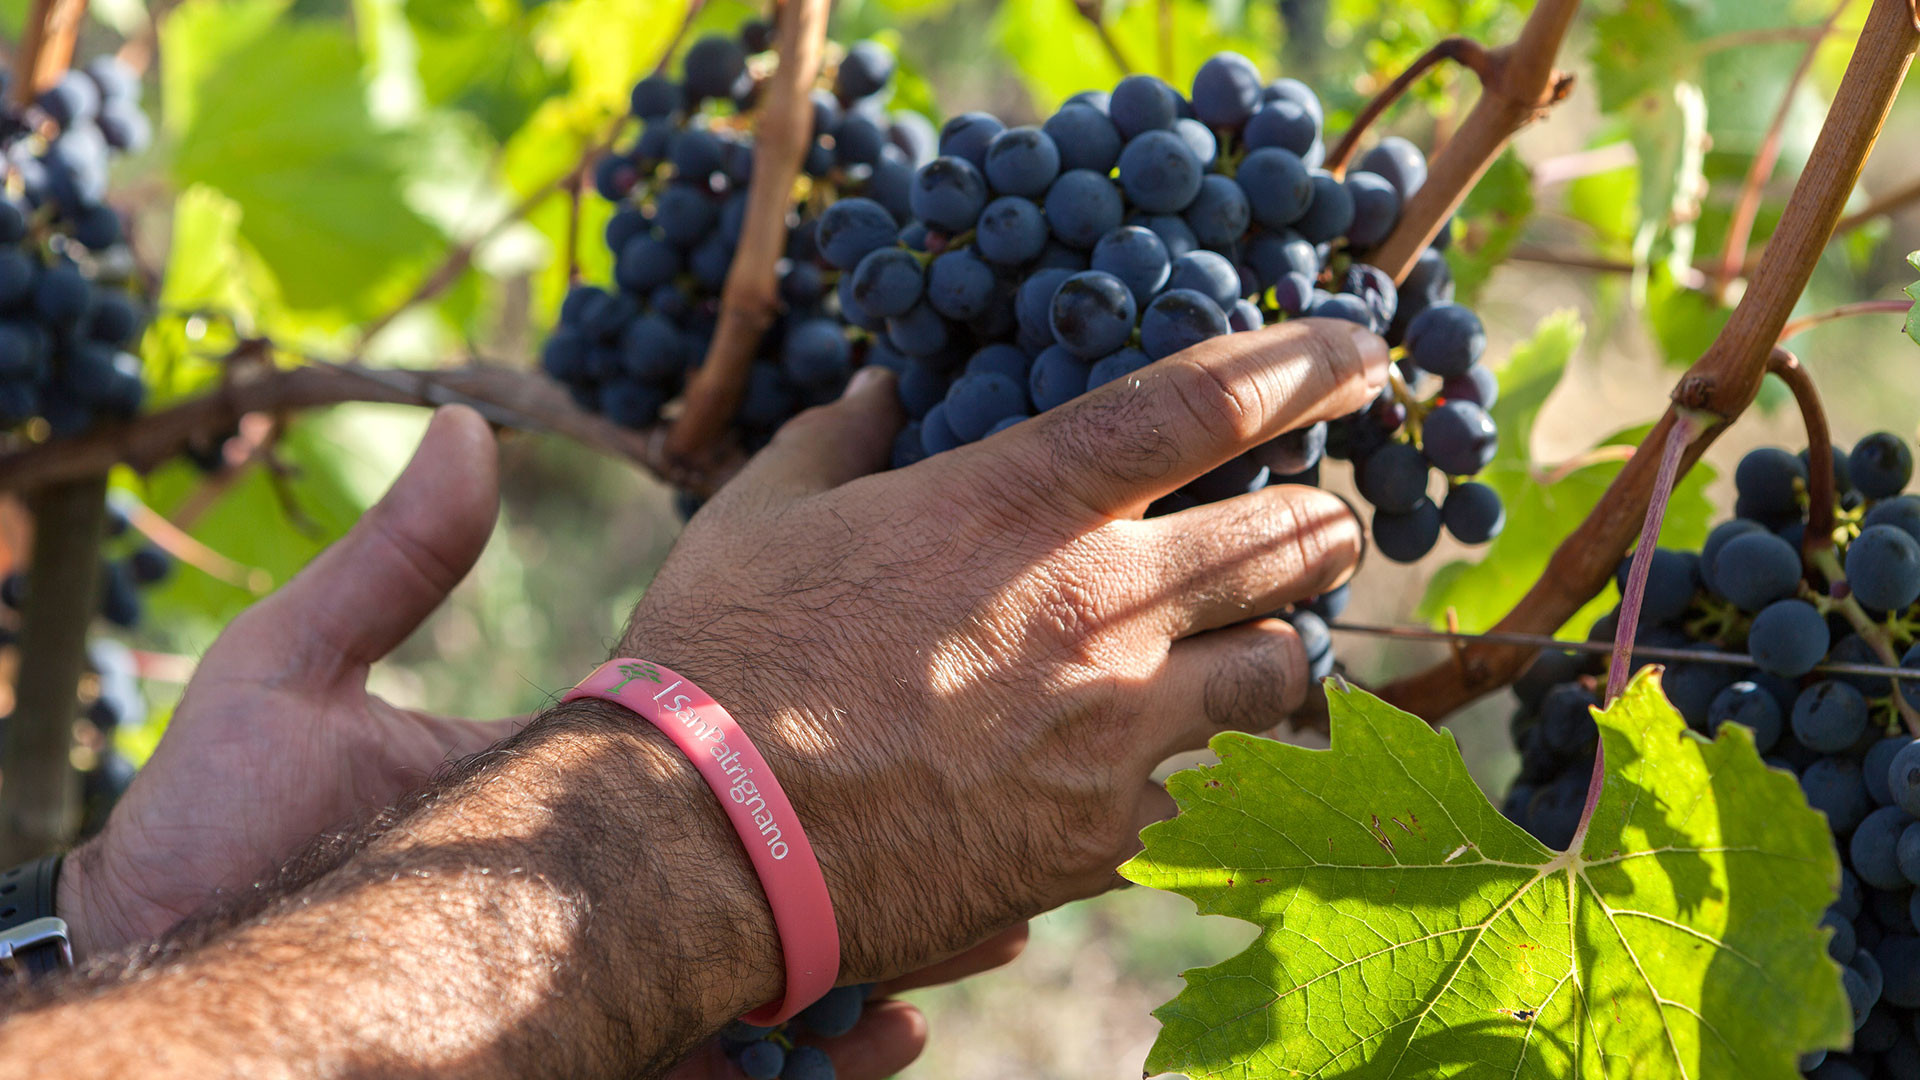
pixel 1373 355
pixel 863 380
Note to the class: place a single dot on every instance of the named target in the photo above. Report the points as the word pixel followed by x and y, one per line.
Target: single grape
pixel 852 228
pixel 1275 255
pixel 1459 438
pixel 1057 377
pixel 1033 303
pixel 1446 339
pixel 1873 848
pixel 1226 90
pixel 807 1063
pixel 1883 568
pixel 1278 187
pixel 1393 477
pixel 960 285
pixel 1880 465
pixel 1672 579
pixel 1473 513
pixel 1116 365
pixel 1835 787
pixel 1159 172
pixel 1829 716
pixel 864 71
pixel 1376 207
pixel 967 135
pixel 1084 137
pixel 936 434
pixel 1205 147
pixel 1207 273
pixel 1788 638
pixel 860 139
pixel 921 331
pixel 920 387
pixel 1769 481
pixel 1900 511
pixel 1281 124
pixel 712 65
pixel 761 1060
pixel 1753 569
pixel 1092 314
pixel 977 402
pixel 1179 319
pixel 1407 537
pixel 1011 231
pixel 1137 257
pixel 1294 452
pixel 1329 213
pixel 816 354
pixel 1399 161
pixel 1347 308
pixel 836 1013
pixel 948 193
pixel 1142 103
pixel 1022 161
pixel 1083 206
pixel 1245 315
pixel 1747 703
pixel 1478 385
pixel 1842 944
pixel 1903 777
pixel 1220 213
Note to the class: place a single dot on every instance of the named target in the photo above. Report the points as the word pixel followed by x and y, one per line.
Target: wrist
pixel 697 898
pixel 91 902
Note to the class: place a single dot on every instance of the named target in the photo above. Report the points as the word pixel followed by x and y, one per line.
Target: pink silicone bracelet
pixel 759 810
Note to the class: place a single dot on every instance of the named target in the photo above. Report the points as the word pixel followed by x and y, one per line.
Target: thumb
pixel 362 596
pixel 831 444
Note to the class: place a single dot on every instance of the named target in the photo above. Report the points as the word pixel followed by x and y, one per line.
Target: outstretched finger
pixel 1118 448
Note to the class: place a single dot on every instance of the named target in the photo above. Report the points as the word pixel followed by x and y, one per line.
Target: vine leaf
pixel 1913 290
pixel 1407 929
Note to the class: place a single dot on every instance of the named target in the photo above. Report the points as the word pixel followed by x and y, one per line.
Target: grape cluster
pixel 1045 261
pixel 680 187
pixel 1748 590
pixel 68 317
pixel 771 1053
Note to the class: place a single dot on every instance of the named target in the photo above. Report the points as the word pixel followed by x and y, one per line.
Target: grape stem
pixel 1828 563
pixel 1464 51
pixel 750 300
pixel 1845 311
pixel 1746 206
pixel 1722 382
pixel 1819 531
pixel 1679 437
pixel 1521 86
pixel 1095 13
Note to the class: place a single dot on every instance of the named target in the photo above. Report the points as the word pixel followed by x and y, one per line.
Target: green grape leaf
pixel 1407 929
pixel 1913 290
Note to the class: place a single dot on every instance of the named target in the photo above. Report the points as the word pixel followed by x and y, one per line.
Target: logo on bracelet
pixel 636 671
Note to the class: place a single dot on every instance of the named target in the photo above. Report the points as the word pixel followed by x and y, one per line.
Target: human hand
pixel 276 738
pixel 964 671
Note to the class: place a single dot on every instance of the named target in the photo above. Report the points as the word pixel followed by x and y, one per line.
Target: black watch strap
pixel 33 939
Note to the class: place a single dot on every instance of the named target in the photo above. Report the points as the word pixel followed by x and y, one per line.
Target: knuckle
pixel 1257 684
pixel 1226 410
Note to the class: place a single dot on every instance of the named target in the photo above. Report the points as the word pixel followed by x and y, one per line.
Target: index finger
pixel 1118 448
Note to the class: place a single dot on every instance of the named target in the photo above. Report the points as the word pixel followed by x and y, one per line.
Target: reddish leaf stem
pixel 1094 13
pixel 1845 311
pixel 1679 437
pixel 1819 531
pixel 1462 50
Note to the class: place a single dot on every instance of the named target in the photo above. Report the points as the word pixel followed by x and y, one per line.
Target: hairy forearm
pixel 570 905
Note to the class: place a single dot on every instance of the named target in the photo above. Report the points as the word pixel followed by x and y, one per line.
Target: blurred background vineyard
pixel 318 161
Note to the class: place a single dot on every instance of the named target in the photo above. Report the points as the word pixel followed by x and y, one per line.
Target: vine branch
pixel 1520 85
pixel 1462 50
pixel 47 48
pixel 521 400
pixel 750 300
pixel 1722 382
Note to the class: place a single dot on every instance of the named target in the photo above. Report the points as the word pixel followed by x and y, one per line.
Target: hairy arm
pixel 571 904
